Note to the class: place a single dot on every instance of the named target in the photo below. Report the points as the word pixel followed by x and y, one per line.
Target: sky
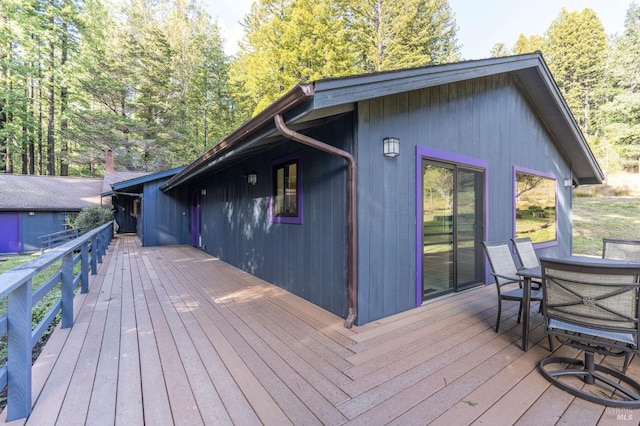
pixel 482 23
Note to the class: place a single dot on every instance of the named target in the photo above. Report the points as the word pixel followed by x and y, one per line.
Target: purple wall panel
pixel 9 233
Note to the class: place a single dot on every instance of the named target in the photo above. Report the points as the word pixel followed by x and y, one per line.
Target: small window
pixel 286 197
pixel 535 206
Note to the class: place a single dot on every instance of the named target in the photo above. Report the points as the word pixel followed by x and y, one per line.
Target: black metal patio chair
pixel 592 307
pixel 505 273
pixel 621 249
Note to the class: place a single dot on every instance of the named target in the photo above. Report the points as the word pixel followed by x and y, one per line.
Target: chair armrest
pixel 513 279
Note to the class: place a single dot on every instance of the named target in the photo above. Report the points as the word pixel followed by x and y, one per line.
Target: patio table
pixel 530 273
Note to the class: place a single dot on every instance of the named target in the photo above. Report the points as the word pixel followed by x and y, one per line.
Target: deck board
pixel 170 335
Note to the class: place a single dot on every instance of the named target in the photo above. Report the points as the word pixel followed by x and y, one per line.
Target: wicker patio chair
pixel 592 307
pixel 508 283
pixel 621 249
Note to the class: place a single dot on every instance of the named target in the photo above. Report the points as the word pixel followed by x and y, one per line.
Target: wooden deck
pixel 170 335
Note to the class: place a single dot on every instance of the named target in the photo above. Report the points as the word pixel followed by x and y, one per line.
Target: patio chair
pixel 505 273
pixel 621 249
pixel 592 307
pixel 527 255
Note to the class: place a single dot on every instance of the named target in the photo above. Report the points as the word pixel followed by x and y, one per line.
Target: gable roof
pixel 51 193
pixel 111 178
pixel 135 184
pixel 307 103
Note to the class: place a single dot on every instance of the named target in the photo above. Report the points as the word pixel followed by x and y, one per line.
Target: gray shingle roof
pixel 27 192
pixel 119 176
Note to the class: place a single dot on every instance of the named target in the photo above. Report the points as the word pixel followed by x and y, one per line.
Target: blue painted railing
pixel 16 285
pixel 57 238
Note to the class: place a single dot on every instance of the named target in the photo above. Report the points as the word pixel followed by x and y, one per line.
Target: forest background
pixel 150 79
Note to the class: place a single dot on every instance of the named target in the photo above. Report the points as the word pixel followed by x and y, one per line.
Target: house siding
pixel 165 220
pixel 39 224
pixel 488 119
pixel 307 259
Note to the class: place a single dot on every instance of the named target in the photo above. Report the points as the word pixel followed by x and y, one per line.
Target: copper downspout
pixel 351 194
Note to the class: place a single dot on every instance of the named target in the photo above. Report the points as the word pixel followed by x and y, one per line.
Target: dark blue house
pixel 369 195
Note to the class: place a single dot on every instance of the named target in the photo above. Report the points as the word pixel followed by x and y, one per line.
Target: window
pixel 286 197
pixel 535 206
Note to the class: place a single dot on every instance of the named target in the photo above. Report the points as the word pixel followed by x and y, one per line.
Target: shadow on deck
pixel 170 335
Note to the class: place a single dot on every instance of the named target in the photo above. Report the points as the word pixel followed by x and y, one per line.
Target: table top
pixel 537 271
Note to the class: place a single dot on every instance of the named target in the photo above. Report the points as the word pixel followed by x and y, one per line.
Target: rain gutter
pixel 351 194
pixel 296 96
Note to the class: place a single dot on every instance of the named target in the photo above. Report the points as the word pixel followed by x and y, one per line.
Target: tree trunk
pixel 64 144
pixel 32 113
pixel 40 123
pixel 51 158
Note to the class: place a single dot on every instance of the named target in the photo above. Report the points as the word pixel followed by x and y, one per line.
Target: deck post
pixel 94 259
pixel 67 290
pixel 19 352
pixel 99 248
pixel 84 267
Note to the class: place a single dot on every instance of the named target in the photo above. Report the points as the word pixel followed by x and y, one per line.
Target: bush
pixel 92 217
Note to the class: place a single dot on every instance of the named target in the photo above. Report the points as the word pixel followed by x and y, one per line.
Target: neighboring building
pixel 164 224
pixel 33 206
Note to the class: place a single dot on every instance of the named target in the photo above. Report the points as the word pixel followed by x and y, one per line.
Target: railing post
pixel 94 259
pixel 99 247
pixel 84 267
pixel 67 290
pixel 19 352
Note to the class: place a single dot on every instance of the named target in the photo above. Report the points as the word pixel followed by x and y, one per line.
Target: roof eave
pixel 296 96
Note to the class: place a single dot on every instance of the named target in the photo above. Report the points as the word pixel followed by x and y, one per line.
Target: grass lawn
pixel 597 217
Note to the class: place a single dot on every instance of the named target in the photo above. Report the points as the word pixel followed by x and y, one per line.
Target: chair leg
pixel 499 312
pixel 627 359
pixel 520 312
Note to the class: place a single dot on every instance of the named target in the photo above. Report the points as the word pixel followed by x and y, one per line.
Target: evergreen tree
pixel 288 41
pixel 404 33
pixel 576 51
pixel 499 50
pixel 524 44
pixel 421 32
pixel 203 111
pixel 104 100
pixel 620 118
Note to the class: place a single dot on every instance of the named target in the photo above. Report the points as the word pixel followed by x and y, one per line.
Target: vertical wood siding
pixel 308 259
pixel 41 223
pixel 488 119
pixel 166 216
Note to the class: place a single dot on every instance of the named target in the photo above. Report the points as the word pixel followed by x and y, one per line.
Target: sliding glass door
pixel 453 227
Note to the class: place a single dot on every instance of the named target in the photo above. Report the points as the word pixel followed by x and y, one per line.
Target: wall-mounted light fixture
pixel 568 183
pixel 391 147
pixel 203 191
pixel 252 178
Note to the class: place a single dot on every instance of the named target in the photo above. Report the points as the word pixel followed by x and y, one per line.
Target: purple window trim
pixel 517 169
pixel 449 157
pixel 296 220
